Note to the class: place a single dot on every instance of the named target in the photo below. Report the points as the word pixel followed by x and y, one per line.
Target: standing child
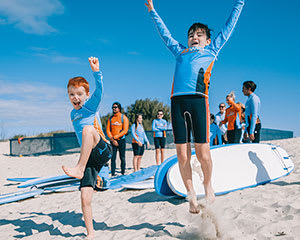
pixel 95 150
pixel 138 142
pixel 215 132
pixel 159 127
pixel 189 96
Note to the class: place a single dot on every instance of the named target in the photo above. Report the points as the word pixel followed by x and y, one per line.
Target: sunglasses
pixel 114 107
pixel 160 114
pixel 221 106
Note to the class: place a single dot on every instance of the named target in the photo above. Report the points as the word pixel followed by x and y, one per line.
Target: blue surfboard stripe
pixel 44 180
pixel 20 179
pixel 13 197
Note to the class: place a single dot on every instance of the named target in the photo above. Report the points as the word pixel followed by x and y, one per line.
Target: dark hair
pixel 196 26
pixel 249 84
pixel 118 104
pixel 135 120
pixel 160 111
pixel 212 117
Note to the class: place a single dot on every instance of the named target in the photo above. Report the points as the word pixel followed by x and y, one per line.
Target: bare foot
pixel 209 194
pixel 90 237
pixel 192 198
pixel 73 172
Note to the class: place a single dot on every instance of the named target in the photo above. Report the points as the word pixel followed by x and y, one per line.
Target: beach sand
pixel 270 211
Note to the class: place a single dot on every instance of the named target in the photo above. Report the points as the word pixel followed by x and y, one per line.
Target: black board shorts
pixel 99 156
pixel 190 115
pixel 137 150
pixel 159 142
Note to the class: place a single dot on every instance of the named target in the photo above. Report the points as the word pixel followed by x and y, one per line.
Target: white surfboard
pixel 146 184
pixel 235 167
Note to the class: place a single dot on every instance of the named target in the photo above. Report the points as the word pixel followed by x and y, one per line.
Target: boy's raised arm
pixel 149 5
pixel 227 30
pixel 174 46
pixel 93 104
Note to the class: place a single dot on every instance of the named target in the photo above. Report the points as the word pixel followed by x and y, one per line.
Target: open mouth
pixel 195 44
pixel 76 104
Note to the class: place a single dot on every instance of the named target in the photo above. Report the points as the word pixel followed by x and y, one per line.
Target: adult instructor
pixel 116 129
pixel 253 124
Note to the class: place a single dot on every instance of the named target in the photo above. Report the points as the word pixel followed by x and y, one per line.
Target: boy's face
pixel 77 96
pixel 198 38
pixel 246 91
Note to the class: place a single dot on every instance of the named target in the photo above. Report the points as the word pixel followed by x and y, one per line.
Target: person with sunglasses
pixel 159 127
pixel 116 129
pixel 220 116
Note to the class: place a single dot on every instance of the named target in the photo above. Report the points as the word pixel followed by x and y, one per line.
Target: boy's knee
pixel 88 130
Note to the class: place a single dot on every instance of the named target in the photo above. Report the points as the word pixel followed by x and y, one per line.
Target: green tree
pixel 148 108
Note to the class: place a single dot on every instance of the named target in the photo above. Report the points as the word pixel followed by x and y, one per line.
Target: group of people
pixel 238 123
pixel 189 112
pixel 117 128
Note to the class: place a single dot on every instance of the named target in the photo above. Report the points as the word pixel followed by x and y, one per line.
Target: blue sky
pixel 44 43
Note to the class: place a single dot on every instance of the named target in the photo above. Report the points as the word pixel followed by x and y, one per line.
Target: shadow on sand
pixel 26 226
pixel 149 197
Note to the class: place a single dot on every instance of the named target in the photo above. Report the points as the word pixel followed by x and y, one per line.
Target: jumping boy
pixel 189 96
pixel 95 150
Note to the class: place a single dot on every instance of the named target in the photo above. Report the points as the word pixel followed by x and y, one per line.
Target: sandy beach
pixel 270 211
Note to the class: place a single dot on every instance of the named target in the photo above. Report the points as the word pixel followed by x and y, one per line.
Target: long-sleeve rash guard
pixel 159 127
pixel 252 111
pixel 87 114
pixel 215 132
pixel 233 116
pixel 139 134
pixel 194 65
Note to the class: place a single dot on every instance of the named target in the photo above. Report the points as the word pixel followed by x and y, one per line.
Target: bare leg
pixel 86 205
pixel 157 156
pixel 139 159
pixel 162 155
pixel 135 163
pixel 204 157
pixel 184 158
pixel 90 138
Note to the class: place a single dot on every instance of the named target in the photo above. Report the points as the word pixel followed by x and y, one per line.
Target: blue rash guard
pixel 194 65
pixel 159 127
pixel 215 132
pixel 252 112
pixel 85 116
pixel 139 134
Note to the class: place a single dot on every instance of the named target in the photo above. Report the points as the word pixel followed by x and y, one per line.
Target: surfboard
pixel 57 183
pixel 138 176
pixel 41 180
pixel 62 188
pixel 235 167
pixel 160 179
pixel 20 195
pixel 146 184
pixel 20 179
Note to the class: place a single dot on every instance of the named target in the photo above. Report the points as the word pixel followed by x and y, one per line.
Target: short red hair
pixel 79 82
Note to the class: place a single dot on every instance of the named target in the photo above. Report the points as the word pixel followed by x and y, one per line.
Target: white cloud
pixel 30 15
pixel 33 106
pixel 58 58
pixel 54 56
